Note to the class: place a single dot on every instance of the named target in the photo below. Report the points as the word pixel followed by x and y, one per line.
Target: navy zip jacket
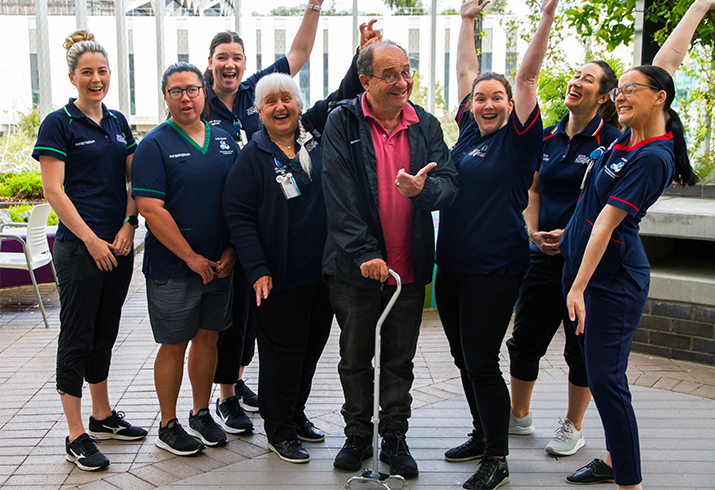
pixel 350 190
pixel 257 212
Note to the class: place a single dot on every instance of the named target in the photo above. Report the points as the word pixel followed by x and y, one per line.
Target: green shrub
pixel 26 185
pixel 18 210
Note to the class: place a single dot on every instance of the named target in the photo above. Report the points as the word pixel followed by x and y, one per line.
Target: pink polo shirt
pixel 393 153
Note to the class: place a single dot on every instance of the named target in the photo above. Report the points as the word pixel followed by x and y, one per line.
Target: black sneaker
pixel 308 432
pixel 173 438
pixel 202 425
pixel 396 453
pixel 355 450
pixel 291 451
pixel 115 427
pixel 472 449
pixel 231 416
pixel 491 473
pixel 84 453
pixel 597 471
pixel 248 399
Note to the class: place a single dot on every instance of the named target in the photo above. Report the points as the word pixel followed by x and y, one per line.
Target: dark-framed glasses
pixel 393 78
pixel 192 91
pixel 627 90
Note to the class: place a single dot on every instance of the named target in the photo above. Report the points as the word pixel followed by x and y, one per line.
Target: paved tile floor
pixel 675 404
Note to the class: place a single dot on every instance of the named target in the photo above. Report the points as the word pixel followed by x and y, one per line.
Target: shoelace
pixel 88 446
pixel 562 431
pixel 401 444
pixel 292 444
pixel 352 442
pixel 471 442
pixel 486 469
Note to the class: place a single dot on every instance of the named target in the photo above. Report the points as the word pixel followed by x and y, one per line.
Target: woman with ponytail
pixel 274 208
pixel 606 271
pixel 540 308
pixel 85 152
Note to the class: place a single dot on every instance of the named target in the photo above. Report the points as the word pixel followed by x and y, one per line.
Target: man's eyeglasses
pixel 393 78
pixel 176 93
pixel 627 90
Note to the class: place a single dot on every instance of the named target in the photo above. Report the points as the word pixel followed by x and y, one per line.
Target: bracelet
pixel 317 8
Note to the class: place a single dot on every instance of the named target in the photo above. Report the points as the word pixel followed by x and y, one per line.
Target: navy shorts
pixel 179 307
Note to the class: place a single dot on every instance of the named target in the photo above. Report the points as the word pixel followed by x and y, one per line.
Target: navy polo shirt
pixel 484 231
pixel 563 163
pixel 244 105
pixel 170 166
pixel 95 160
pixel 631 178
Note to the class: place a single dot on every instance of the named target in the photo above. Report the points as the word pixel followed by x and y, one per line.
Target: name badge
pixel 288 185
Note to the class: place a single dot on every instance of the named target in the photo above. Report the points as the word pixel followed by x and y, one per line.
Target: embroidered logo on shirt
pixel 614 168
pixel 545 157
pixel 224 146
pixel 583 159
pixel 82 143
pixel 480 152
pixel 214 122
pixel 121 139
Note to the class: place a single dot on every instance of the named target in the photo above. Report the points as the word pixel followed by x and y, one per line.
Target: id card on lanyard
pixel 286 180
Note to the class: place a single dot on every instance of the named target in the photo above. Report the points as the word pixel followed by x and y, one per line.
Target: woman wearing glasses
pixel 273 204
pixel 482 246
pixel 541 309
pixel 178 174
pixel 231 107
pixel 606 271
pixel 85 153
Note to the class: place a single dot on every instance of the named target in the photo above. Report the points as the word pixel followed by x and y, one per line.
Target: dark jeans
pixel 475 311
pixel 540 310
pixel 90 308
pixel 612 317
pixel 293 327
pixel 237 344
pixel 357 311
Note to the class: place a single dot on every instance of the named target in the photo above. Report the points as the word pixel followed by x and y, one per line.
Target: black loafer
pixel 309 433
pixel 355 450
pixel 597 471
pixel 291 451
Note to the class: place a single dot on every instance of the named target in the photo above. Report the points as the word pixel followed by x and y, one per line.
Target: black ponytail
pixel 684 174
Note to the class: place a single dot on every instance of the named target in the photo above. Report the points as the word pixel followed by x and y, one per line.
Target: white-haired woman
pixel 273 204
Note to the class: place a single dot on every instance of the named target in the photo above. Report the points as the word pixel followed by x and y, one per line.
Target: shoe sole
pixel 248 408
pixel 308 439
pixel 231 430
pixel 285 458
pixel 521 431
pixel 162 445
pixel 458 460
pixel 579 444
pixel 608 480
pixel 197 434
pixel 365 455
pixel 503 482
pixel 74 460
pixel 386 460
pixel 112 435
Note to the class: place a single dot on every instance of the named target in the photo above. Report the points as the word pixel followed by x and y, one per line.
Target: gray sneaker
pixel 567 441
pixel 521 427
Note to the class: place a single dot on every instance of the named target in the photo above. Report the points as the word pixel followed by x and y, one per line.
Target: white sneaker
pixel 521 427
pixel 567 441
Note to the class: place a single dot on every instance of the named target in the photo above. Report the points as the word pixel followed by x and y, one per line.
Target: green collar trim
pixel 207 137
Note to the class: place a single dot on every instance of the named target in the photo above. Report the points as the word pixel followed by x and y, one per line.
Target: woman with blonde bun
pixel 85 154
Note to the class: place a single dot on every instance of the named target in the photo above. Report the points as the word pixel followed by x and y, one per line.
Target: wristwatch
pixel 317 8
pixel 132 220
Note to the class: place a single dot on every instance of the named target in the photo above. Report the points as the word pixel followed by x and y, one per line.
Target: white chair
pixel 36 250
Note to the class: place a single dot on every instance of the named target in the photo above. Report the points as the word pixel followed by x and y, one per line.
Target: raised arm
pixel 304 39
pixel 528 74
pixel 467 60
pixel 671 54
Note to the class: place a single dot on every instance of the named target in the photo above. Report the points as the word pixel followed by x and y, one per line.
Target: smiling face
pixel 642 105
pixel 227 63
pixel 491 105
pixel 184 110
pixel 583 90
pixel 279 112
pixel 91 77
pixel 384 99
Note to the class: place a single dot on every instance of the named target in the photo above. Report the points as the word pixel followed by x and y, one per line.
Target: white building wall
pixel 15 74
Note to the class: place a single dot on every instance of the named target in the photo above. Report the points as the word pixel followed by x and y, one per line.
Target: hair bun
pixel 77 37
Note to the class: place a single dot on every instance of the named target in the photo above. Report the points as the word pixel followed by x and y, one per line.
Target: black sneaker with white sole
pixel 492 473
pixel 202 425
pixel 248 399
pixel 173 438
pixel 291 451
pixel 472 449
pixel 231 416
pixel 84 453
pixel 115 427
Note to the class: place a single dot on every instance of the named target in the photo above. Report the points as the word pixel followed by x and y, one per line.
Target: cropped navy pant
pixel 612 316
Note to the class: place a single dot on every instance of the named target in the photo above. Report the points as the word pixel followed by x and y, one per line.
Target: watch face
pixel 133 220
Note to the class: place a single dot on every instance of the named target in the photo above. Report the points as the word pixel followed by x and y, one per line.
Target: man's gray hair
pixel 364 61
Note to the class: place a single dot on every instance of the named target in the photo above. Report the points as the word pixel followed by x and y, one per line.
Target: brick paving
pixel 674 402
